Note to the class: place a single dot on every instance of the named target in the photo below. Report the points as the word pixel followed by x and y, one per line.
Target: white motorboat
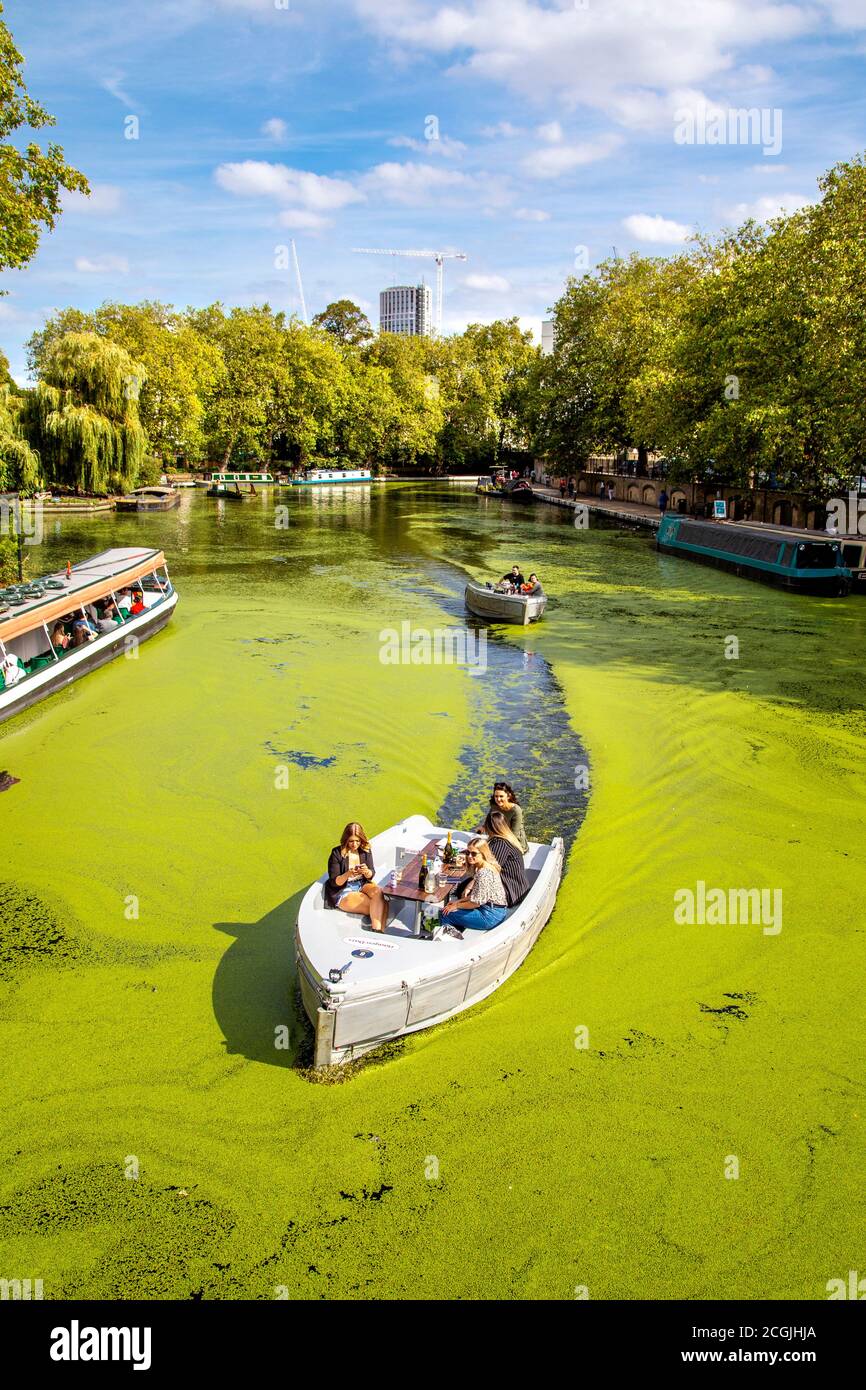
pixel 504 608
pixel 361 988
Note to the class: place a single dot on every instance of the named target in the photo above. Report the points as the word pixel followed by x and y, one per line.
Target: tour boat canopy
pixel 93 579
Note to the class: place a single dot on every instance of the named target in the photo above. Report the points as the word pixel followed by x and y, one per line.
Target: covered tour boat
pixel 115 582
pixel 149 499
pixel 504 608
pixel 807 562
pixel 361 988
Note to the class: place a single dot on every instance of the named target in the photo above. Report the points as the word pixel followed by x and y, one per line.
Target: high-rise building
pixel 406 309
pixel 548 336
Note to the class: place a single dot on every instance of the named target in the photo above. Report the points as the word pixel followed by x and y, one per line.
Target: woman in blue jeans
pixel 484 904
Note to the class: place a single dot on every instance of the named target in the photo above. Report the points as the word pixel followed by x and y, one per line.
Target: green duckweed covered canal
pixel 583 1128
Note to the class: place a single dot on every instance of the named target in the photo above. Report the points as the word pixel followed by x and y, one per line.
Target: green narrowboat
pixel 806 562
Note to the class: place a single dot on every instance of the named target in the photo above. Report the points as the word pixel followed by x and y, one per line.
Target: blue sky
pixel 561 134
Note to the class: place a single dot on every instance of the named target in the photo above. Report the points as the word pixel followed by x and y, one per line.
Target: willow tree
pixel 83 415
pixel 19 464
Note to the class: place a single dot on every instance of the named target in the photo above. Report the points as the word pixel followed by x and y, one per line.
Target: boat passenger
pixel 138 603
pixel 533 587
pixel 511 582
pixel 350 886
pixel 60 638
pixel 484 904
pixel 509 856
pixel 504 799
pixel 83 631
pixel 11 669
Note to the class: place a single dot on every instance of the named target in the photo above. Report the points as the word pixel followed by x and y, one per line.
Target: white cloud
pixel 102 265
pixel 420 185
pixel 770 206
pixel 309 196
pixel 623 60
pixel 554 160
pixel 552 132
pixel 504 129
pixel 275 129
pixel 532 215
pixel 443 145
pixel 302 220
pixel 489 283
pixel 657 229
pixel 113 87
pixel 104 198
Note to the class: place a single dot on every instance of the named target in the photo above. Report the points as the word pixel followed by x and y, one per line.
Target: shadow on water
pixel 253 987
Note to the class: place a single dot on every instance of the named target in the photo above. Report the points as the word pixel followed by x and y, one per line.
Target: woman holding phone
pixel 350 886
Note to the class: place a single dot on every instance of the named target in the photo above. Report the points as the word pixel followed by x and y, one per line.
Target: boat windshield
pixel 817 555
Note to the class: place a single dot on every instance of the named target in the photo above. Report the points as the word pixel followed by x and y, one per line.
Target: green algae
pixel 490 1157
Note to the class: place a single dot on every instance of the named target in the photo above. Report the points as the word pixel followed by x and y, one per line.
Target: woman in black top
pixel 509 855
pixel 351 886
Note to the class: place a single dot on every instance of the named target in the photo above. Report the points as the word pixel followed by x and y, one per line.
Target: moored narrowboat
pixel 317 477
pixel 807 562
pixel 56 629
pixel 149 499
pixel 854 560
pixel 221 476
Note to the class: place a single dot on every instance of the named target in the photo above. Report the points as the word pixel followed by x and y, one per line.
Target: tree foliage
pixel 32 179
pixel 83 415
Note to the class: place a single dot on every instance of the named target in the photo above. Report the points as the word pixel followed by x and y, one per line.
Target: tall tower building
pixel 406 309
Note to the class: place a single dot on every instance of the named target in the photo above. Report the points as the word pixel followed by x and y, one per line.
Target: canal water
pixel 576 1129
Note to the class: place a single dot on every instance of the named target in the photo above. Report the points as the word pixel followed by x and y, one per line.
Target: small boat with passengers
pixel 362 988
pixel 486 602
pixel 38 618
pixel 807 562
pixel 319 477
pixel 149 499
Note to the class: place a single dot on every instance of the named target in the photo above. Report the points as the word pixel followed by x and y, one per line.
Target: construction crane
pixel 300 283
pixel 440 257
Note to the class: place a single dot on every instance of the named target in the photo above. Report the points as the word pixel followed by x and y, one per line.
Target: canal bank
pixel 576 1129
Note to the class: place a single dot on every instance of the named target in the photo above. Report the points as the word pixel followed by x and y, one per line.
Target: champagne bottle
pixel 448 852
pixel 422 877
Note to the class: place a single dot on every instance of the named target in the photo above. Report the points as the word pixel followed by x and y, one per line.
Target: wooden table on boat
pixel 408 890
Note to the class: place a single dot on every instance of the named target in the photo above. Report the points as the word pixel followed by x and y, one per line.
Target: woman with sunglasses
pixel 483 904
pixel 504 799
pixel 350 886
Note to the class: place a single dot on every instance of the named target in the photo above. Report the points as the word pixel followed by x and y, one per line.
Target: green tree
pixel 345 322
pixel 83 415
pixel 30 180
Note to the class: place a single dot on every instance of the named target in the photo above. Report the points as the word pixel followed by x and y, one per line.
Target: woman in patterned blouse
pixel 484 904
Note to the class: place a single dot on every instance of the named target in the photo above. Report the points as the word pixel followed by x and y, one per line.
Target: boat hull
pixel 504 608
pixel 80 663
pixel 408 984
pixel 160 505
pixel 836 584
